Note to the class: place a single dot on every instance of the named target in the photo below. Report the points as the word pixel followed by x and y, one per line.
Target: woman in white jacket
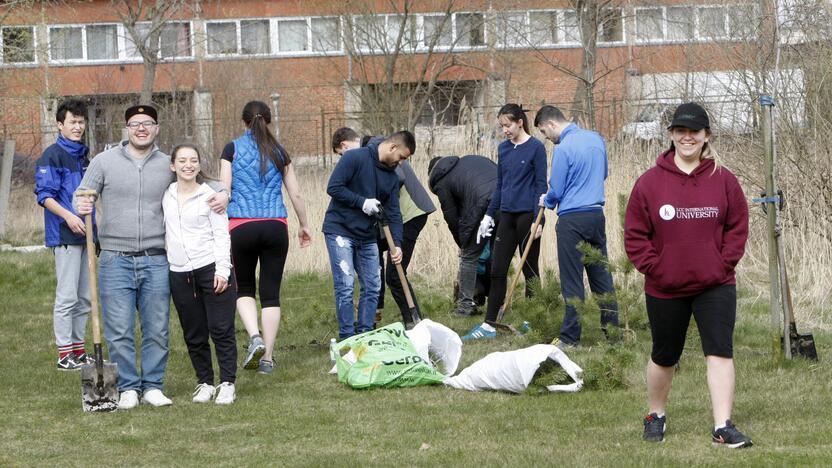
pixel 201 283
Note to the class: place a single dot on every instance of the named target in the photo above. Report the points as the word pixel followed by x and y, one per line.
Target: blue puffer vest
pixel 253 196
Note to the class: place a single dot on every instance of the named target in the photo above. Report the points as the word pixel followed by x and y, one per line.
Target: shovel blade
pixel 804 345
pixel 99 392
pixel 505 328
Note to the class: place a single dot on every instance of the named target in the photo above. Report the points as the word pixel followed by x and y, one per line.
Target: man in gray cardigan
pixel 130 180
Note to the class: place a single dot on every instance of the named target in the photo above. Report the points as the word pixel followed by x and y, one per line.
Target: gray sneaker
pixel 265 367
pixel 256 350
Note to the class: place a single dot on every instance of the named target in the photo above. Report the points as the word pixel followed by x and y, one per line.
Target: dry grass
pixel 809 252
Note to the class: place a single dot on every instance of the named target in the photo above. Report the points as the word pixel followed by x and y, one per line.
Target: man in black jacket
pixel 464 187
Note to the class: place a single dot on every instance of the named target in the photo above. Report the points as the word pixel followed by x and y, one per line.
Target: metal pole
pixel 6 183
pixel 275 114
pixel 769 199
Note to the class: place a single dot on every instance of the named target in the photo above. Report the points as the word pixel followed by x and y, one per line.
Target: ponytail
pixel 257 117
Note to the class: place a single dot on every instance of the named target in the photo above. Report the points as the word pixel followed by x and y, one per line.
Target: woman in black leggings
pixel 255 167
pixel 521 178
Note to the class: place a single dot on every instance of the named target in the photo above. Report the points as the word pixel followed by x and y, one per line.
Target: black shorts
pixel 715 312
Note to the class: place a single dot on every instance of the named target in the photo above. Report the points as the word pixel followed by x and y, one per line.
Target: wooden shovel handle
pixel 96 329
pixel 399 270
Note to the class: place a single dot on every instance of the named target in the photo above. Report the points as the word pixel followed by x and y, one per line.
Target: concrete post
pixel 276 114
pixel 6 183
pixel 203 129
pixel 48 127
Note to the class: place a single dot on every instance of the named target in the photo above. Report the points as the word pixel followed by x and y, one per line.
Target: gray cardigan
pixel 130 191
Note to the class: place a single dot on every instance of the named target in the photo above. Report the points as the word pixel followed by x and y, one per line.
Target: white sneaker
pixel 203 393
pixel 128 400
pixel 226 394
pixel 155 397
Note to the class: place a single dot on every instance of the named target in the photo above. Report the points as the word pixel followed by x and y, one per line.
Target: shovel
pixel 414 314
pixel 800 345
pixel 498 324
pixel 99 391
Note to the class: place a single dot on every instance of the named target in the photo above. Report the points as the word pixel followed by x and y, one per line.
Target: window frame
pixel 34 61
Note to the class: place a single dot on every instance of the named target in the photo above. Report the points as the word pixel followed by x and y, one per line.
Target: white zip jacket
pixel 196 236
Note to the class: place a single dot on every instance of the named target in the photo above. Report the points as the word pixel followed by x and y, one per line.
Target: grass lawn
pixel 303 416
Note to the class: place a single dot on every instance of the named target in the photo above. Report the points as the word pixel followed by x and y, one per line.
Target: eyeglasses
pixel 145 124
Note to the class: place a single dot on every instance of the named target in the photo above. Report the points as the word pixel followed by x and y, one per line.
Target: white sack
pixel 432 339
pixel 512 371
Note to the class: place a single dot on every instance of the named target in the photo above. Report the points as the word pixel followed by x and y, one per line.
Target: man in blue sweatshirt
pixel 576 189
pixel 363 181
pixel 58 173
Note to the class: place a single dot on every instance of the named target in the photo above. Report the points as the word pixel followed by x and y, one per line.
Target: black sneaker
pixel 654 427
pixel 730 436
pixel 68 363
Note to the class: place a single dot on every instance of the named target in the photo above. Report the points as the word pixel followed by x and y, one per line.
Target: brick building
pixel 316 61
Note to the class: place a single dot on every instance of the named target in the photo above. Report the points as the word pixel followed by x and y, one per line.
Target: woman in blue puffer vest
pixel 255 167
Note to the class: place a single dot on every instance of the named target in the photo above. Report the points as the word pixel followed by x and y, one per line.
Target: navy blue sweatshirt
pixel 359 175
pixel 521 177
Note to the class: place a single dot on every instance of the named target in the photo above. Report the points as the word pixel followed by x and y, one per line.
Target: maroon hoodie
pixel 685 232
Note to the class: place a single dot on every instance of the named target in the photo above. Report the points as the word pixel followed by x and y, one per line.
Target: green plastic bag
pixel 385 357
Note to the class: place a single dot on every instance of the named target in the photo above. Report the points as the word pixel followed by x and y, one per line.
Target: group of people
pixel 166 230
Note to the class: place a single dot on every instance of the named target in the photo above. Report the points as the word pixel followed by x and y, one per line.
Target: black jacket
pixel 464 187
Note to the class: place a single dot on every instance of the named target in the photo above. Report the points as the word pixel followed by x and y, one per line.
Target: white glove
pixel 542 202
pixel 486 225
pixel 371 206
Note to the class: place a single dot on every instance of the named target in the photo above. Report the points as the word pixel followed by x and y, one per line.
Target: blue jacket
pixel 359 175
pixel 521 177
pixel 57 175
pixel 253 196
pixel 579 168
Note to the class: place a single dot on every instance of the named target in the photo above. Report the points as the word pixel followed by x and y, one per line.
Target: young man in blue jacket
pixel 58 173
pixel 363 181
pixel 576 189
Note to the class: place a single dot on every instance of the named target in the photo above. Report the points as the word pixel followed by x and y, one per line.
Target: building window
pixel 649 24
pixel 406 25
pixel 543 26
pixel 570 32
pixel 679 23
pixel 291 36
pixel 326 34
pixel 510 30
pixel 435 32
pixel 175 40
pixel 742 22
pixel 470 29
pixel 18 45
pixel 712 24
pixel 254 37
pixel 66 43
pixel 222 38
pixel 611 28
pixel 102 42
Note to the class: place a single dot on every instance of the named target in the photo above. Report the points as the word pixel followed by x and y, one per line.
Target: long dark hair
pixel 515 112
pixel 257 117
pixel 200 177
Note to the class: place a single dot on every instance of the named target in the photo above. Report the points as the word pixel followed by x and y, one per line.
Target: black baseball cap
pixel 141 109
pixel 690 115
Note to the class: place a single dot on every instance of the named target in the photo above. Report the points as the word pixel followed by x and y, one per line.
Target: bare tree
pixel 393 70
pixel 145 21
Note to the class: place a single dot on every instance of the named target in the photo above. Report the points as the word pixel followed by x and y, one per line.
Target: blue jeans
pixel 125 284
pixel 348 258
pixel 572 228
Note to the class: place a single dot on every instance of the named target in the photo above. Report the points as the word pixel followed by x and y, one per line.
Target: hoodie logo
pixel 667 212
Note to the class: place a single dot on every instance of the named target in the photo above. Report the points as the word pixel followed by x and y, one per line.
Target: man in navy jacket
pixel 363 181
pixel 58 173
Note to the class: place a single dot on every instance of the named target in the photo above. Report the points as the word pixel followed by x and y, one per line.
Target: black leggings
pixel 512 231
pixel 268 242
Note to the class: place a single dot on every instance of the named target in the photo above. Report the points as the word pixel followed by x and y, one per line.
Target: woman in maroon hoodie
pixel 685 230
